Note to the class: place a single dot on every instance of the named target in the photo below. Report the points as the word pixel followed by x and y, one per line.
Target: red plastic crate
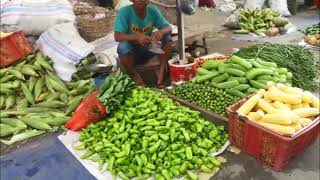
pixel 268 147
pixel 13 48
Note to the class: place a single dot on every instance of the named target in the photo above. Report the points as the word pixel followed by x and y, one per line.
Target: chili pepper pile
pixel 214 99
pixel 33 96
pixel 153 136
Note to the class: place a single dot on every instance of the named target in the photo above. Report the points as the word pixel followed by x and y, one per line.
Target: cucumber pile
pixel 241 77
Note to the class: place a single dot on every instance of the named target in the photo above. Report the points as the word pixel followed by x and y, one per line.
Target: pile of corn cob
pixel 33 97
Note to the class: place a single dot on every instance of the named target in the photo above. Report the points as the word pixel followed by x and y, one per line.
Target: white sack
pixel 225 5
pixel 253 4
pixel 65 47
pixel 35 16
pixel 280 6
pixel 233 20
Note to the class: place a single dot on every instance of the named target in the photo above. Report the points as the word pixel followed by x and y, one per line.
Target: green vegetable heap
pixel 153 136
pixel 114 90
pixel 312 30
pixel 33 96
pixel 257 20
pixel 214 99
pixel 294 58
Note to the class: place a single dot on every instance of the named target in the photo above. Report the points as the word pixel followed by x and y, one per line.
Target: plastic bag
pixel 280 6
pixel 189 7
pixel 207 3
pixel 233 20
pixel 34 16
pixel 89 111
pixel 225 5
pixel 253 4
pixel 65 47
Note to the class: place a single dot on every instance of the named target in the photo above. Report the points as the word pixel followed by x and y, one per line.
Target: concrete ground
pixel 241 166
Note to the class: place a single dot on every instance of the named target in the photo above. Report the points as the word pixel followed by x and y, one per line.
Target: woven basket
pixel 93 22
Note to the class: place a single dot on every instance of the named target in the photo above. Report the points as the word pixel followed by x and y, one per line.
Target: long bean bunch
pixel 296 59
pixel 153 136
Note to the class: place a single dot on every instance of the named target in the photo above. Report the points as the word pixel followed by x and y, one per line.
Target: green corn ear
pixel 39 87
pixel 27 93
pixel 10 101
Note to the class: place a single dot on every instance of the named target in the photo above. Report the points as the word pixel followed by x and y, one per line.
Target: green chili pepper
pixel 192 175
pixel 180 151
pixel 185 134
pixel 166 174
pixel 183 168
pixel 101 162
pixel 149 133
pixel 189 153
pixel 121 160
pixel 87 154
pixel 146 128
pixel 150 166
pixel 161 129
pixel 175 146
pixel 154 157
pixel 122 175
pixel 80 147
pixel 169 123
pixel 164 137
pixel 159 177
pixel 98 148
pixel 139 160
pixel 158 162
pixel 195 149
pixel 176 161
pixel 203 152
pixel 215 161
pixel 172 135
pixel 144 158
pixel 145 143
pixel 197 160
pixel 155 147
pixel 166 164
pixel 205 169
pixel 162 154
pixel 174 171
pixel 147 171
pixel 154 137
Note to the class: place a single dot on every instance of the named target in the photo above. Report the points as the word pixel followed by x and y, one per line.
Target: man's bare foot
pixel 138 80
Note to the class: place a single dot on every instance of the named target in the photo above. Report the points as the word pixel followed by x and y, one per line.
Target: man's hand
pixel 157 36
pixel 143 39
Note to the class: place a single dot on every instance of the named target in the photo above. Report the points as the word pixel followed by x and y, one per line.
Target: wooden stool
pixel 146 69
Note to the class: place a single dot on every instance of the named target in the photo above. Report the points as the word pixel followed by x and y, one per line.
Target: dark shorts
pixel 140 53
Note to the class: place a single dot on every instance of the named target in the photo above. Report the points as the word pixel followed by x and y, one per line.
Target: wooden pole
pixel 180 23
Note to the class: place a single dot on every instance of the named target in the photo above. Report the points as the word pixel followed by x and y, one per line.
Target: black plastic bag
pixel 189 7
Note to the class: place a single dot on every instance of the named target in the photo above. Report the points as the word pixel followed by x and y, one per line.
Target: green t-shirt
pixel 129 23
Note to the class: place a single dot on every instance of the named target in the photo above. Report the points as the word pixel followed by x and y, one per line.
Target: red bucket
pixel 181 72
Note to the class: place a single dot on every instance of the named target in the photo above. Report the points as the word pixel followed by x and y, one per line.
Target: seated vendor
pixel 133 29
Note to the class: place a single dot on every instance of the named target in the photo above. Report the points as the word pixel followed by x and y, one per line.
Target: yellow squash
pixel 250 103
pixel 287 130
pixel 281 119
pixel 277 95
pixel 307 112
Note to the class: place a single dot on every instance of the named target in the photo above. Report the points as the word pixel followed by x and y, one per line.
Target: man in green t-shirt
pixel 133 29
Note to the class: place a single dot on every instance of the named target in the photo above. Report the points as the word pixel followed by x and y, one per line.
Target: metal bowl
pixel 99 68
